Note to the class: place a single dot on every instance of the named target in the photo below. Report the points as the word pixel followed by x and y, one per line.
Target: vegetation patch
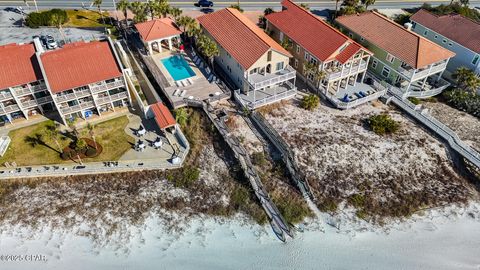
pixel 460 7
pixel 310 102
pixel 414 100
pixel 46 18
pixel 382 124
pixel 85 18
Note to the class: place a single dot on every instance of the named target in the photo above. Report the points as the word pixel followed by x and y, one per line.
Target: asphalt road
pixel 249 5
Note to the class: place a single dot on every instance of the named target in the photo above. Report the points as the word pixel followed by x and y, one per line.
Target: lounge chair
pixel 176 92
pixel 363 94
pixel 194 54
pixel 208 70
pixel 178 83
pixel 183 93
pixel 195 58
pixel 190 80
pixel 358 95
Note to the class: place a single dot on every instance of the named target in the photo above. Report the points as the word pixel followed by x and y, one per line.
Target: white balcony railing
pixel 43 100
pixel 65 97
pixel 106 86
pixel 353 69
pixel 29 103
pixel 11 108
pixel 22 91
pixel 5 96
pixel 39 88
pixel 258 81
pixel 422 73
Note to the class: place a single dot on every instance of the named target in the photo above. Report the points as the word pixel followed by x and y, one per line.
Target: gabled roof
pixel 462 30
pixel 411 48
pixel 239 36
pixel 312 33
pixel 157 29
pixel 18 65
pixel 80 63
pixel 163 117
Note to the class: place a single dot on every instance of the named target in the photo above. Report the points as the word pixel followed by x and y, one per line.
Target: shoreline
pixel 409 244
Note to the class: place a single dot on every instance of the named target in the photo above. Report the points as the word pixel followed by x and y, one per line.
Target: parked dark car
pixel 205 3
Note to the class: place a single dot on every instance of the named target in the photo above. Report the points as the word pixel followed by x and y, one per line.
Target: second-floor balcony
pixel 78 107
pixel 22 91
pixel 44 100
pixel 258 81
pixel 109 98
pixel 29 103
pixel 413 74
pixel 333 74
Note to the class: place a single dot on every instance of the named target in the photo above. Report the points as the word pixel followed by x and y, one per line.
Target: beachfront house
pixel 79 80
pixel 402 58
pixel 331 63
pixel 256 64
pixel 453 32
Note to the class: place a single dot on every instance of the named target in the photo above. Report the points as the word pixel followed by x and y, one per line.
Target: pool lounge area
pixel 177 67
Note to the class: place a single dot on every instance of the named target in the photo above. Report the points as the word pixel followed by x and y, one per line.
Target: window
pixel 306 56
pixel 425 33
pixel 281 36
pixel 385 72
pixel 362 39
pixel 475 59
pixel 413 25
pixel 374 64
pixel 390 58
pixel 296 63
pixel 444 41
pixel 350 35
pixel 450 44
pixel 279 65
pixel 298 49
pixel 269 56
pixel 436 36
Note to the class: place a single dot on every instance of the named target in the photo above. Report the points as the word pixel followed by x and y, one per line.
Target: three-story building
pixel 253 61
pixel 401 57
pixel 330 61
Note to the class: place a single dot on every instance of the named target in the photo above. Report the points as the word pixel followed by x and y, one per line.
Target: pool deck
pixel 202 88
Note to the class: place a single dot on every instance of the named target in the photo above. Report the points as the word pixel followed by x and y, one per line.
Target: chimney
pixel 38 45
pixel 408 26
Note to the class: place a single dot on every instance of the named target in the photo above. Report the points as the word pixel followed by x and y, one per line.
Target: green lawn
pixel 85 18
pixel 110 134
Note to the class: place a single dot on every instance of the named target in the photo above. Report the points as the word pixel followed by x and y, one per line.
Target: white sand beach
pixel 439 239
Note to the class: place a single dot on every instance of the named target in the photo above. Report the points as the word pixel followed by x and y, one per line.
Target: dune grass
pixel 85 18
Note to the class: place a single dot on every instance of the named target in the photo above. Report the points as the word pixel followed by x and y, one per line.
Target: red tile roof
pixel 460 29
pixel 163 117
pixel 348 52
pixel 312 33
pixel 18 65
pixel 157 29
pixel 239 36
pixel 406 45
pixel 78 64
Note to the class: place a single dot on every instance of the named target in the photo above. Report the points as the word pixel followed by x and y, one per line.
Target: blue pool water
pixel 178 67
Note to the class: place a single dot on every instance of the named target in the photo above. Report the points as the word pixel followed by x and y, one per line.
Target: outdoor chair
pixel 176 92
pixel 190 80
pixel 183 93
pixel 208 70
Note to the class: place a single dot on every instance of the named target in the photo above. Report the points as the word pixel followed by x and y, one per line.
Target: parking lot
pixel 12 31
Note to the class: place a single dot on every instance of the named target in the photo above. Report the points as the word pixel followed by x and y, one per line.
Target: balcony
pixel 422 73
pixel 96 88
pixel 82 93
pixel 22 91
pixel 44 100
pixel 258 81
pixel 10 108
pixel 118 96
pixel 29 103
pixel 78 107
pixel 353 69
pixel 65 97
pixel 257 98
pixel 5 96
pixel 39 88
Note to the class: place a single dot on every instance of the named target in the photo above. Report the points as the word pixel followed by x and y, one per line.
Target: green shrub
pixel 43 18
pixel 328 205
pixel 90 152
pixel 382 124
pixel 310 102
pixel 414 100
pixel 357 200
pixel 239 197
pixel 185 177
pixel 463 100
pixel 258 158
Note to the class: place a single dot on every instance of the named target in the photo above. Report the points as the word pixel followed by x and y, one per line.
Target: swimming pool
pixel 178 67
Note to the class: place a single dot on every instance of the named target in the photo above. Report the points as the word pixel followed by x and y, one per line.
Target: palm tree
pixel 139 9
pixel 161 8
pixel 91 132
pixel 57 20
pixel 181 116
pixel 98 4
pixel 467 79
pixel 208 47
pixel 186 22
pixel 80 145
pixel 73 127
pixel 53 133
pixel 310 102
pixel 368 3
pixel 123 5
pixel 336 7
pixel 175 12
